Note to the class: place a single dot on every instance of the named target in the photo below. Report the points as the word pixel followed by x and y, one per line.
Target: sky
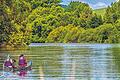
pixel 95 4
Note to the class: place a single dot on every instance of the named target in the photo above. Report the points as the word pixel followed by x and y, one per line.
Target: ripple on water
pixel 70 62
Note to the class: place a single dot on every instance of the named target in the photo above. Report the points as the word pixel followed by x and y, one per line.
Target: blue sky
pixel 95 4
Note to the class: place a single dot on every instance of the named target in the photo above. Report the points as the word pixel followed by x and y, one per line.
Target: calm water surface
pixel 67 62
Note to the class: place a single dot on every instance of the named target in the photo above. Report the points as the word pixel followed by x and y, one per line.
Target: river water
pixel 67 62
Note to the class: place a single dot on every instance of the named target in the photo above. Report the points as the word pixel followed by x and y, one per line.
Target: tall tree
pixel 44 19
pixel 112 13
pixel 13 29
pixel 83 15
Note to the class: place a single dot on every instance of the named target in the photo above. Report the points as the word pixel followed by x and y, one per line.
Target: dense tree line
pixel 91 29
pixel 26 21
pixel 13 29
pixel 45 19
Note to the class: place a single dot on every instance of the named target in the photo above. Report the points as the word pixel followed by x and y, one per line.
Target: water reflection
pixel 70 62
pixel 115 50
pixel 101 64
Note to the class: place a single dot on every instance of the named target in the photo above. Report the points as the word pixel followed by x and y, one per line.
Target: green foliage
pixel 100 12
pixel 43 21
pixel 112 13
pixel 65 34
pixel 106 33
pixel 43 3
pixel 73 34
pixel 13 30
pixel 95 21
pixel 87 36
pixel 25 21
pixel 82 15
pixel 57 35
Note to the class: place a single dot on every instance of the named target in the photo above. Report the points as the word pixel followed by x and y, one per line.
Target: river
pixel 52 61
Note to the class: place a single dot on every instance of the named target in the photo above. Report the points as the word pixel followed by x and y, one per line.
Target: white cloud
pixel 98 5
pixel 117 0
pixel 95 4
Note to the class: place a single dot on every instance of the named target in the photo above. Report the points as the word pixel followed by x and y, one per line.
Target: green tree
pixel 112 13
pixel 57 35
pixel 72 34
pixel 82 15
pixel 5 24
pixel 95 21
pixel 87 36
pixel 65 34
pixel 106 33
pixel 43 3
pixel 43 20
pixel 13 16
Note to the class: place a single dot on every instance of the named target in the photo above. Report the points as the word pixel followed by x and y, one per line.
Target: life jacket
pixel 22 61
pixel 7 63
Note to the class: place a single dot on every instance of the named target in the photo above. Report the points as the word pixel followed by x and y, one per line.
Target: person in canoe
pixel 22 61
pixel 8 63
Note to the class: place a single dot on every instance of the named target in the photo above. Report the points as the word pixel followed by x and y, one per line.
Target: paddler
pixel 8 63
pixel 22 61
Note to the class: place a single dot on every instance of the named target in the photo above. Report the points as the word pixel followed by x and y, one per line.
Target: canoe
pixel 27 68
